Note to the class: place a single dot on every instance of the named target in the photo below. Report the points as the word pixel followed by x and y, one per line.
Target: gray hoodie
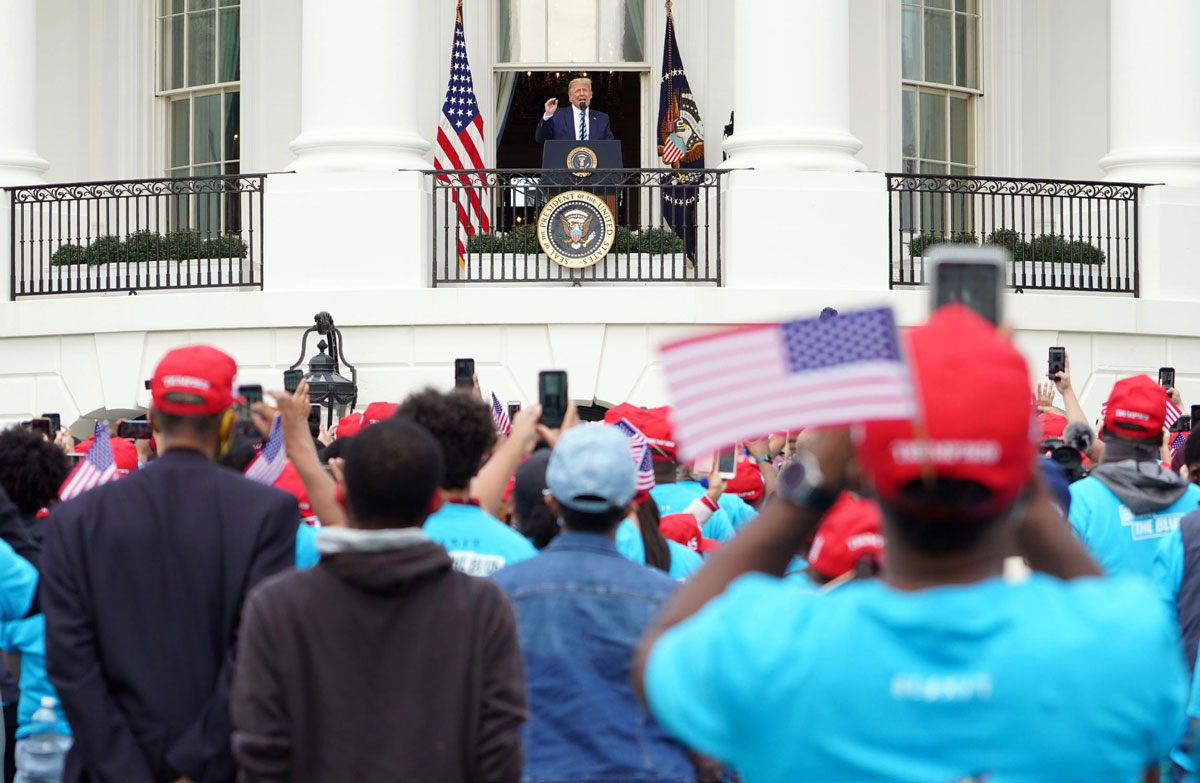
pixel 1144 487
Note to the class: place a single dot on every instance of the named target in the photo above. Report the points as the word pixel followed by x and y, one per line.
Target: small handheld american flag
pixel 1177 441
pixel 96 468
pixel 639 449
pixel 737 384
pixel 268 464
pixel 500 416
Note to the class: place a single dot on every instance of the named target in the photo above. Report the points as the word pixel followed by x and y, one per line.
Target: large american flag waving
pixel 460 144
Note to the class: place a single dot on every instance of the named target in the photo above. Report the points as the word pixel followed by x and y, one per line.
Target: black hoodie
pixel 381 663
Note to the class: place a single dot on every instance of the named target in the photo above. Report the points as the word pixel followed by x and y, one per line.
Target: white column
pixel 19 162
pixel 791 86
pixel 1153 92
pixel 358 91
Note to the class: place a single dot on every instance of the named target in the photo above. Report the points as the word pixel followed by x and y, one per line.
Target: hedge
pixel 182 245
pixel 523 239
pixel 1049 248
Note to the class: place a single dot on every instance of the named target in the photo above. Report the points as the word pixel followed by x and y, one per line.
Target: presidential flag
pixel 680 142
pixel 500 416
pixel 460 145
pixel 639 449
pixel 737 384
pixel 268 464
pixel 96 468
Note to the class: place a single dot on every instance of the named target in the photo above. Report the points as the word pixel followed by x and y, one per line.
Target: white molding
pixel 998 143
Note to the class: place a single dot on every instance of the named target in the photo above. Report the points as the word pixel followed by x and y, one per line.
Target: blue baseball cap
pixel 591 471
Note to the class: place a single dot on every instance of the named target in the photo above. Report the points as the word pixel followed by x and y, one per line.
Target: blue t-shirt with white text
pixel 478 543
pixel 1121 541
pixel 990 681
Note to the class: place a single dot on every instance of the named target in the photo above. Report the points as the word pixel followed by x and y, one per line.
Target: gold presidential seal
pixel 582 161
pixel 576 229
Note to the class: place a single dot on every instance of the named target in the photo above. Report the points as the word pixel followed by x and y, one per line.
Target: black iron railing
pixel 137 235
pixel 1062 235
pixel 667 225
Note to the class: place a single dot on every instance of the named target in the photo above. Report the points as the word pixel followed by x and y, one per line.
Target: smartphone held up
pixel 972 276
pixel 552 394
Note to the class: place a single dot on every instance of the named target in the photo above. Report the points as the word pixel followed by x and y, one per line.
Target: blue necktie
pixel 582 128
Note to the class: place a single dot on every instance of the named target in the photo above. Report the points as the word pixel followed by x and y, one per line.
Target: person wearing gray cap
pixel 580 609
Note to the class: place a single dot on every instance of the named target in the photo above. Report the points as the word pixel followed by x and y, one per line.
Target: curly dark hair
pixel 459 422
pixel 31 469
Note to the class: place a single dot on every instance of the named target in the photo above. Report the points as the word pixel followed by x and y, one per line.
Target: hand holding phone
pixel 1057 362
pixel 314 420
pixel 1166 377
pixel 291 379
pixel 55 421
pixel 134 429
pixel 727 462
pixel 42 425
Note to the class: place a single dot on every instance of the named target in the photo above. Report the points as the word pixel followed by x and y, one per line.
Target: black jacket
pixel 143 581
pixel 381 664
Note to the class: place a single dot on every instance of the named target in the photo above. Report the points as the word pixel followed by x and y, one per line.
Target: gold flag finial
pixel 668 7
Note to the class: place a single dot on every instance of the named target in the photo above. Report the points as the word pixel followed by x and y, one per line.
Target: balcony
pixel 667 226
pixel 137 235
pixel 1063 235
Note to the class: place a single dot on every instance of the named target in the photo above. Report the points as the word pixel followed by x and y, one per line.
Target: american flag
pixel 1177 441
pixel 500 416
pixel 460 144
pixel 736 384
pixel 268 464
pixel 639 449
pixel 96 468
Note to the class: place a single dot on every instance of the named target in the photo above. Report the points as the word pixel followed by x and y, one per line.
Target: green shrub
pixel 69 254
pixel 922 242
pixel 106 250
pixel 522 239
pixel 224 246
pixel 1081 252
pixel 485 243
pixel 651 241
pixel 1010 240
pixel 182 245
pixel 143 246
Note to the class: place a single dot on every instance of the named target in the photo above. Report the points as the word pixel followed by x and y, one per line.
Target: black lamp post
pixel 326 386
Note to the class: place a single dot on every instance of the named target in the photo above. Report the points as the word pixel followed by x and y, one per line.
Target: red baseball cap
pixel 378 411
pixel 348 426
pixel 289 481
pixel 1136 408
pixel 973 387
pixel 1051 425
pixel 193 381
pixel 654 423
pixel 124 453
pixel 851 530
pixel 684 529
pixel 747 482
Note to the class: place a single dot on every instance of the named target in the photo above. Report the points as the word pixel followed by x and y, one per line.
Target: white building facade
pixel 337 104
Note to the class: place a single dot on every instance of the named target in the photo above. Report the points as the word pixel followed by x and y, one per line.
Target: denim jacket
pixel 581 608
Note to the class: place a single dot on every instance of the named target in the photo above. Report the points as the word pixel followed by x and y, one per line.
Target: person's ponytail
pixel 658 553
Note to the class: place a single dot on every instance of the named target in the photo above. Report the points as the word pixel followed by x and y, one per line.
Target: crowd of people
pixel 431 593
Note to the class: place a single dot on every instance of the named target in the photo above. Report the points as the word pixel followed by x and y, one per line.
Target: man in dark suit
pixel 574 123
pixel 143 581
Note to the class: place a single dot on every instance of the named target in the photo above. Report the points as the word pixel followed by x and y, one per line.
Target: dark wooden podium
pixel 586 161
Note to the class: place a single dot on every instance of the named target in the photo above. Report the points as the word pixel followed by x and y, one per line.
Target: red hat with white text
pixel 1136 408
pixel 193 381
pixel 851 530
pixel 973 387
pixel 684 529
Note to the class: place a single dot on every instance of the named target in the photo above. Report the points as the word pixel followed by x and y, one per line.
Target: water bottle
pixel 40 756
pixel 45 714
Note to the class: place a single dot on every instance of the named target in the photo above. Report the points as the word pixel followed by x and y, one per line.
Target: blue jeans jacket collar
pixel 578 540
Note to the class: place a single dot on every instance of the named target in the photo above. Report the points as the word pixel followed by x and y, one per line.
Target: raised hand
pixel 551 105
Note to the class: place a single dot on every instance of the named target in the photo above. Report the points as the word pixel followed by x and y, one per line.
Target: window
pixel 940 73
pixel 571 31
pixel 200 51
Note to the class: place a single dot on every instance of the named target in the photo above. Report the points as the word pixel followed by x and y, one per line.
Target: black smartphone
pixel 1182 424
pixel 291 379
pixel 464 373
pixel 1195 414
pixel 147 383
pixel 552 394
pixel 513 407
pixel 251 394
pixel 55 420
pixel 727 463
pixel 134 429
pixel 1166 377
pixel 1058 361
pixel 42 425
pixel 970 276
pixel 314 420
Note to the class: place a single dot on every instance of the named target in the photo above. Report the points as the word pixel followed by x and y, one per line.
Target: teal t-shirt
pixel 28 637
pixel 684 562
pixel 1120 541
pixel 675 498
pixel 306 546
pixel 629 542
pixel 1039 681
pixel 478 543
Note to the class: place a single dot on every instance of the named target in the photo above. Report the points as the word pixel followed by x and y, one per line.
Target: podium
pixel 586 161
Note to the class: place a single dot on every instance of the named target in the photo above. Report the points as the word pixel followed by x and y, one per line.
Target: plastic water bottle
pixel 45 714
